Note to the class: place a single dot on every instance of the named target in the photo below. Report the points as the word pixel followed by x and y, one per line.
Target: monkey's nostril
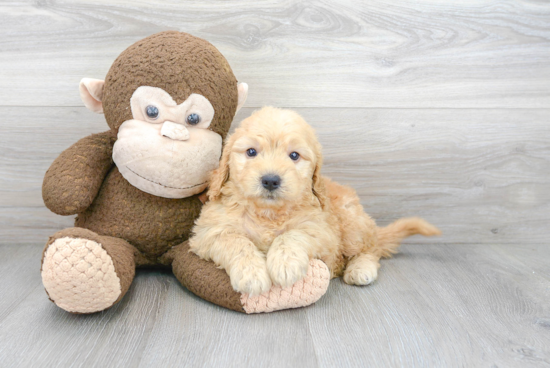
pixel 271 182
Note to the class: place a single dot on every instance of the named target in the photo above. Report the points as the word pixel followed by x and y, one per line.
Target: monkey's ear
pixel 91 92
pixel 242 88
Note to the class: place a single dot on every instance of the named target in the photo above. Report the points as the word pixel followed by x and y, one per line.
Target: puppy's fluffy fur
pixel 262 237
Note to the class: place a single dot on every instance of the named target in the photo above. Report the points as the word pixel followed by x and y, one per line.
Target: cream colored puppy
pixel 271 211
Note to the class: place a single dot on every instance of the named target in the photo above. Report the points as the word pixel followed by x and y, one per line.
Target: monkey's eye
pixel 193 119
pixel 294 156
pixel 152 111
pixel 251 152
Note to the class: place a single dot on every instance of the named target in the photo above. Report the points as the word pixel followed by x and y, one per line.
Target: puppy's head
pixel 273 158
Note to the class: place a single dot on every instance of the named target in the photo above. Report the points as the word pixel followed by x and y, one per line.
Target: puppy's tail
pixel 390 237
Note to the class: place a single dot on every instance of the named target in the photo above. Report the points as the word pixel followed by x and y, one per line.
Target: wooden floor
pixel 434 108
pixel 433 305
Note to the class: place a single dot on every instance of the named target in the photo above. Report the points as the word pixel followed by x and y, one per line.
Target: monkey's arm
pixel 74 178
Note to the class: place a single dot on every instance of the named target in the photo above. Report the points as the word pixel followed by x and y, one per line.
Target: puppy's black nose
pixel 271 182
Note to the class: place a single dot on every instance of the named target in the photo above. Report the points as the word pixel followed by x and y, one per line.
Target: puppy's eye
pixel 193 119
pixel 294 156
pixel 152 111
pixel 251 152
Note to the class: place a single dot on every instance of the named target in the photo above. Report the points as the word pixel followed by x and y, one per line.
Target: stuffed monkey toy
pixel 169 101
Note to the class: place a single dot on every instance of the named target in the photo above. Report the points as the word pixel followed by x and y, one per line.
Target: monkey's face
pixel 170 98
pixel 167 149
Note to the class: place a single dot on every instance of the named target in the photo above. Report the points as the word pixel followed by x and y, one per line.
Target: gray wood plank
pixel 480 174
pixel 433 305
pixel 348 53
pixel 193 332
pixel 533 257
pixel 462 306
pixel 18 265
pixel 39 334
pixel 21 224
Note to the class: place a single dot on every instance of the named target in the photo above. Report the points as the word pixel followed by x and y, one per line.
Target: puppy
pixel 271 211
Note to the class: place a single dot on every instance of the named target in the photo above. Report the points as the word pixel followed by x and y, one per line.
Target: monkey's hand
pixel 74 178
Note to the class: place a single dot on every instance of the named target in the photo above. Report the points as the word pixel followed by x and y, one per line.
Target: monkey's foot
pixel 209 282
pixel 79 275
pixel 304 292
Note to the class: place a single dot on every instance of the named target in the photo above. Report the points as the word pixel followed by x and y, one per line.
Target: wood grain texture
pixel 433 306
pixel 432 108
pixel 346 53
pixel 481 175
pixel 457 305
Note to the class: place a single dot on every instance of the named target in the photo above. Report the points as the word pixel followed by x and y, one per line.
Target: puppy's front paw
pixel 287 265
pixel 250 277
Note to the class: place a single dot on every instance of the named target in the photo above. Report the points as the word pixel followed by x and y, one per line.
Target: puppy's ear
pixel 221 174
pixel 318 186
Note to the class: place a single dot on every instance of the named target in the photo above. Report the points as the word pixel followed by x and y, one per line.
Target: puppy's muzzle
pixel 271 182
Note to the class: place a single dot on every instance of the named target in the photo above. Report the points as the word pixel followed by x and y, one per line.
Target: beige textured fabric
pixel 168 109
pixel 91 92
pixel 305 292
pixel 165 167
pixel 79 275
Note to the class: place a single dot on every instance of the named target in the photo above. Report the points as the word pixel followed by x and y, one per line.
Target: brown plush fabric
pixel 83 180
pixel 121 253
pixel 204 279
pixel 152 224
pixel 178 63
pixel 74 178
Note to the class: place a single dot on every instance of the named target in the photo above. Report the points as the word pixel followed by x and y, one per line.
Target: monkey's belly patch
pixel 79 276
pixel 305 292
